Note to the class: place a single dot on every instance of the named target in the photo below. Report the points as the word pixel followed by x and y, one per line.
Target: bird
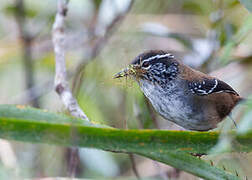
pixel 180 94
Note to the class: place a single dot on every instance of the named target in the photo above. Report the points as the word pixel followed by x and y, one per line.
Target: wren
pixel 187 97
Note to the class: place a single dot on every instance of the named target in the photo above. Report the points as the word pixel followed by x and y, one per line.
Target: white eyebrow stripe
pixel 159 57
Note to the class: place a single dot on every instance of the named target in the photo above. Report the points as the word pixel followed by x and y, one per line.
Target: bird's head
pixel 155 66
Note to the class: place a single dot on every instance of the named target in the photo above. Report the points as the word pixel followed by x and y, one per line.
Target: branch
pixel 101 41
pixel 26 39
pixel 97 44
pixel 60 83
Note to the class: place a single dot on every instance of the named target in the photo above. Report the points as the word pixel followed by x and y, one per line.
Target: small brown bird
pixel 180 94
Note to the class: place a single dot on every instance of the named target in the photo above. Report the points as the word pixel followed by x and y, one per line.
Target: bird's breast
pixel 174 104
pixel 168 101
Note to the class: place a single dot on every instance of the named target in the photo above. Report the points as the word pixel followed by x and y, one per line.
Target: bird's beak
pixel 130 70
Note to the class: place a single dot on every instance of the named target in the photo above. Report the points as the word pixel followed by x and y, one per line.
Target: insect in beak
pixel 130 70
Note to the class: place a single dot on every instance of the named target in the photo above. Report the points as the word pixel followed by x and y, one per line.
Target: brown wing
pixel 203 84
pixel 209 86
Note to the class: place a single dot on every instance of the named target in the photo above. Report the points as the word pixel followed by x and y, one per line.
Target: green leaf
pixel 247 4
pixel 170 147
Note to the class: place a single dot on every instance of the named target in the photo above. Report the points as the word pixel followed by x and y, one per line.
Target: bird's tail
pixel 245 101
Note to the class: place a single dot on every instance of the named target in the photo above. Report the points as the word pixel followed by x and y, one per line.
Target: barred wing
pixel 209 86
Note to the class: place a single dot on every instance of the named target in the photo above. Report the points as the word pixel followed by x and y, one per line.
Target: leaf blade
pixel 170 147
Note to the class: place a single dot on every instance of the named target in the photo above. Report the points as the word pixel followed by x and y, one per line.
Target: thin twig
pixel 134 168
pixel 60 83
pixel 73 161
pixel 100 41
pixel 26 39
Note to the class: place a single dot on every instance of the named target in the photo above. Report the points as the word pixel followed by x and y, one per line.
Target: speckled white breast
pixel 173 105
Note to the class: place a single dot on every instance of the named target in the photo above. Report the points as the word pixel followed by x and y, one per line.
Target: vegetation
pixel 88 109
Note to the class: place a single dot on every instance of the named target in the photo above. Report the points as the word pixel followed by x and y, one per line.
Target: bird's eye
pixel 145 64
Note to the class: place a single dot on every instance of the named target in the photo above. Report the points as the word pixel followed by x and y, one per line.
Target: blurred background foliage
pixel 213 36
